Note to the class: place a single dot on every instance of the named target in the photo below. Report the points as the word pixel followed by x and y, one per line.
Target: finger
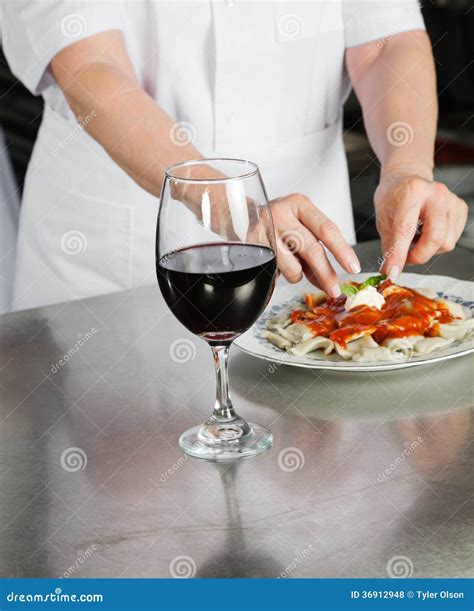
pixel 431 240
pixel 457 217
pixel 329 234
pixel 403 228
pixel 457 211
pixel 437 226
pixel 287 262
pixel 453 232
pixel 316 265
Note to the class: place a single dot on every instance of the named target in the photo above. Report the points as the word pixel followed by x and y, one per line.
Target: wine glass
pixel 216 268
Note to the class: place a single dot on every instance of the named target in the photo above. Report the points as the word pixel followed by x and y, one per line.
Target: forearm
pixel 139 136
pixel 396 86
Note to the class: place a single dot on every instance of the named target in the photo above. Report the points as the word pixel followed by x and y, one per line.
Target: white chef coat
pixel 9 212
pixel 257 80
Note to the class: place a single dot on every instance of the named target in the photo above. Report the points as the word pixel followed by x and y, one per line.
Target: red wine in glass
pixel 217 290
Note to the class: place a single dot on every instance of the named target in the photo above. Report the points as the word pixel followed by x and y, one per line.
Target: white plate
pixel 285 297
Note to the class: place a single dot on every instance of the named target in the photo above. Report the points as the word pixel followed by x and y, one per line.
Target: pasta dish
pixel 376 320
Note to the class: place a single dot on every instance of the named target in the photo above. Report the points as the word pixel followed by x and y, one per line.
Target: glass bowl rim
pixel 254 170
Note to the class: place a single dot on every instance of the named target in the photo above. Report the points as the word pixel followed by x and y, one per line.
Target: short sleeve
pixel 368 20
pixel 34 31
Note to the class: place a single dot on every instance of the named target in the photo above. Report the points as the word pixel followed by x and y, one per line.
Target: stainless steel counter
pixel 364 468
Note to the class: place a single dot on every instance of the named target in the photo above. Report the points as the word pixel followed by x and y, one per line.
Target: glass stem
pixel 223 409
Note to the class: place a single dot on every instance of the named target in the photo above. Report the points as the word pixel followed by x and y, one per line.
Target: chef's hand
pixel 407 202
pixel 301 231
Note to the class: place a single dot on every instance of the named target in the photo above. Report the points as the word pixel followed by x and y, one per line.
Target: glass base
pixel 226 441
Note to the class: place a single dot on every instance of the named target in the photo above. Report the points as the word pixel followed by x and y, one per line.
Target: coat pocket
pixel 95 239
pixel 296 21
pixel 310 49
pixel 70 246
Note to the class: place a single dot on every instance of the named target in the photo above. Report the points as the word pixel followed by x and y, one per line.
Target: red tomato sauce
pixel 404 313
